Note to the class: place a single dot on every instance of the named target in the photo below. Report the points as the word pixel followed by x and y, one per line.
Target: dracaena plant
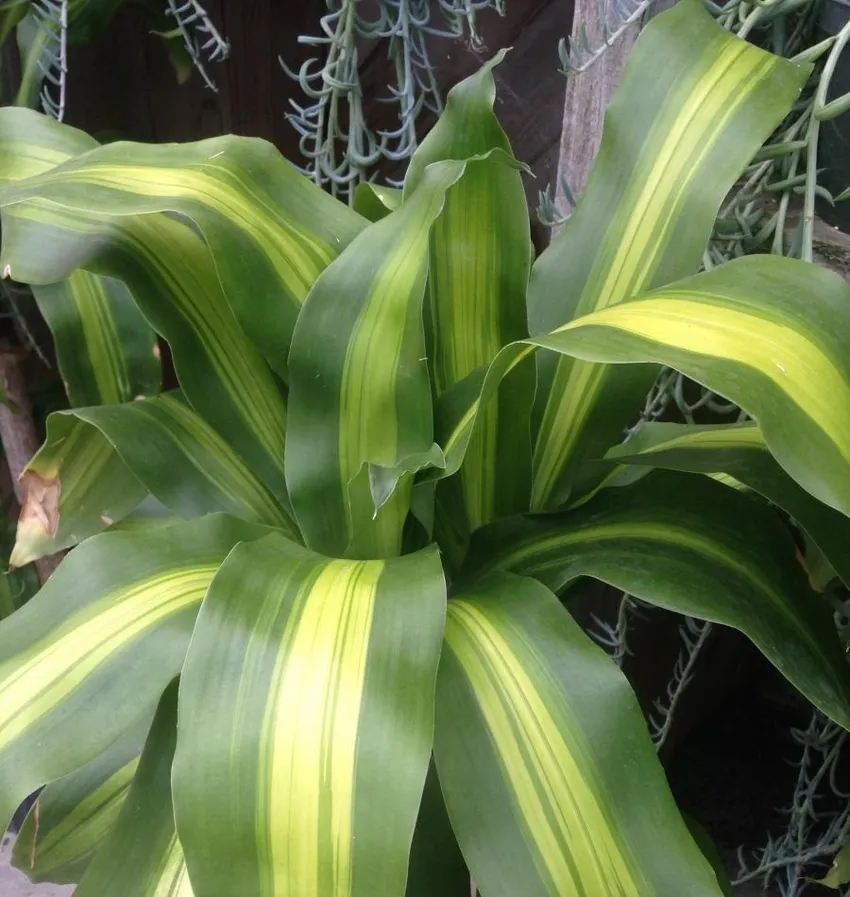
pixel 337 559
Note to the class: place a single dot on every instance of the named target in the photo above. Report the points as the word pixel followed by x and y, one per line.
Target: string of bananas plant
pixel 311 638
pixel 43 30
pixel 338 146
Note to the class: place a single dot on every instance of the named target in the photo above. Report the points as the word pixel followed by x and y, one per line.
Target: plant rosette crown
pixel 312 637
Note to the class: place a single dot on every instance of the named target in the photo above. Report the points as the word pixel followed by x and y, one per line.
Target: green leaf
pixel 172 277
pixel 150 514
pixel 689 544
pixel 360 414
pixel 74 487
pixel 709 851
pixel 32 42
pixel 105 349
pixel 544 757
pixel 106 352
pixel 311 708
pixel 694 105
pixel 85 658
pixel 739 450
pixel 183 461
pixel 270 230
pixel 437 867
pixel 142 856
pixel 839 873
pixel 481 255
pixel 10 16
pixel 375 201
pixel 32 143
pixel 72 817
pixel 764 331
pixel 794 378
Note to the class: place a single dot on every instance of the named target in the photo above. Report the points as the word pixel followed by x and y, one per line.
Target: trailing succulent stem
pixel 339 147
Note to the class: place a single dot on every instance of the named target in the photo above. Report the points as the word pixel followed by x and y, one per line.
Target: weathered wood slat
pixel 587 94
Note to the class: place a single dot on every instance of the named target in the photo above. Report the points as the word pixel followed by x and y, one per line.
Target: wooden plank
pixel 530 88
pixel 587 95
pixel 139 97
pixel 830 245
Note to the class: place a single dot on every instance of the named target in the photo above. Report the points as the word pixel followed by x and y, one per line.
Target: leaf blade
pixel 184 462
pixel 172 276
pixel 128 605
pixel 532 724
pixel 694 105
pixel 142 856
pixel 793 379
pixel 481 254
pixel 270 230
pixel 75 486
pixel 349 649
pixel 105 349
pixel 358 414
pixel 692 545
pixel 741 452
pixel 75 814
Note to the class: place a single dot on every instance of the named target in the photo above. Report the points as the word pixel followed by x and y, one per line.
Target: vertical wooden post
pixel 587 95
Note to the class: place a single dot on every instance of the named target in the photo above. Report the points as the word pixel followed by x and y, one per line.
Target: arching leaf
pixel 75 486
pixel 270 230
pixel 739 450
pixel 551 780
pixel 794 378
pixel 183 461
pixel 141 856
pixel 83 660
pixel 72 816
pixel 689 544
pixel 105 348
pixel 694 105
pixel 307 697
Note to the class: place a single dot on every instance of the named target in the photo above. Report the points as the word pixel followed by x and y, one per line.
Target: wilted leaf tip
pixel 39 515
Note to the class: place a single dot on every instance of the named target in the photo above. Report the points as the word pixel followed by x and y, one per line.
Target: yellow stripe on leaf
pixel 34 686
pixel 532 724
pixel 548 774
pixel 320 691
pixel 695 103
pixel 360 412
pixel 699 324
pixel 173 877
pixel 142 855
pixel 270 230
pixel 97 645
pixel 313 720
pixel 84 827
pixel 221 190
